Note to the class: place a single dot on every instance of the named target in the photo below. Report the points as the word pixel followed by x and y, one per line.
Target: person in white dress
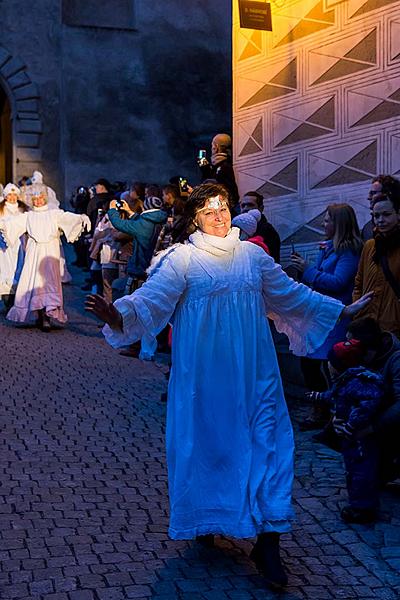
pixel 39 290
pixel 229 436
pixel 11 257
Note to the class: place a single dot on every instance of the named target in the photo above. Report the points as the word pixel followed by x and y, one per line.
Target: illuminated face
pixel 385 217
pixel 12 198
pixel 328 226
pixel 168 199
pixel 39 200
pixel 215 217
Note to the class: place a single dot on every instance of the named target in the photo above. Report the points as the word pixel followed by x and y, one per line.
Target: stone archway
pixel 26 125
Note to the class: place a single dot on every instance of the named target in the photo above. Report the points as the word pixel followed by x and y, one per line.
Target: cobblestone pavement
pixel 83 496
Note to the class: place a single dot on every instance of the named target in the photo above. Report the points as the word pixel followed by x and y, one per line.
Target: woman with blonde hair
pixel 11 257
pixel 333 275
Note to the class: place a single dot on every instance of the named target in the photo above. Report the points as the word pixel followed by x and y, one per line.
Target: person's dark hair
pixel 259 199
pixel 139 188
pixel 389 183
pixel 153 189
pixel 104 182
pixel 197 200
pixel 394 198
pixel 171 189
pixel 367 331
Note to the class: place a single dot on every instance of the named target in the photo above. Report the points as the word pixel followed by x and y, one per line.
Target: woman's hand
pixel 352 309
pixel 104 311
pixel 298 262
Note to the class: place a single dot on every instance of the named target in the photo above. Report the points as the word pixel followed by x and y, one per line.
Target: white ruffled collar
pixel 40 208
pixel 13 207
pixel 215 245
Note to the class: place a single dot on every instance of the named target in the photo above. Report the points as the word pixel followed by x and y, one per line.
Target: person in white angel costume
pixel 39 290
pixel 229 436
pixel 11 257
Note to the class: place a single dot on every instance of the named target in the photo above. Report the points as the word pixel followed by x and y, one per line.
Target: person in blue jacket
pixel 143 228
pixel 333 275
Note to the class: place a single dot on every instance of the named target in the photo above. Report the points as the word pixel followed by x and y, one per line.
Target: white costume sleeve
pixel 149 309
pixel 72 224
pixel 305 316
pixel 12 228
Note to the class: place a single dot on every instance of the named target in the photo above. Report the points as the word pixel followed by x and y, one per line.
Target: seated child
pixel 355 399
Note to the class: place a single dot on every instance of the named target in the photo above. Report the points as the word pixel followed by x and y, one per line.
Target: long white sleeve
pixel 149 309
pixel 305 316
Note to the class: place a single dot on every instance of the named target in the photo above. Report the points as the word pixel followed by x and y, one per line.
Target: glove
pixel 86 223
pixel 342 428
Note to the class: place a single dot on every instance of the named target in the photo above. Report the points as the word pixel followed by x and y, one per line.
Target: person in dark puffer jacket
pixel 355 400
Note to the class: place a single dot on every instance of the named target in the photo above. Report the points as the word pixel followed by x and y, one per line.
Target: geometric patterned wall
pixel 316 108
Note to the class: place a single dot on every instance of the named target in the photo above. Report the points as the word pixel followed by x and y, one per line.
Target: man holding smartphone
pixel 220 167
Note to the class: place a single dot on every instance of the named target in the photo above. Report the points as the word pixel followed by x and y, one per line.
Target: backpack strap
pixel 390 278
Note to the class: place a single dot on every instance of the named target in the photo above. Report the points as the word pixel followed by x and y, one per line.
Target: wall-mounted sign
pixel 255 15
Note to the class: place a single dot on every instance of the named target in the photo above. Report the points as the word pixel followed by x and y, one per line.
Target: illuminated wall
pixel 316 108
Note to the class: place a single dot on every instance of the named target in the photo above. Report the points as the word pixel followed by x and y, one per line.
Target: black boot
pixel 267 558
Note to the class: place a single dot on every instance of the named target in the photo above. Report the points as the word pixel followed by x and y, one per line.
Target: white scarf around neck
pixel 218 246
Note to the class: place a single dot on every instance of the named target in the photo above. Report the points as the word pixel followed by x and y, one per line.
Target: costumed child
pixel 39 290
pixel 355 399
pixel 12 256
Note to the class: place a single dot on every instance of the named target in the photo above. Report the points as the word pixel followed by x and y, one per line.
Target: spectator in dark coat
pixel 220 169
pixel 355 399
pixel 100 200
pixel 383 357
pixel 254 200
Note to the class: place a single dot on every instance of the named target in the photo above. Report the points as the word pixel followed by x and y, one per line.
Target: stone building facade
pixel 317 109
pixel 123 89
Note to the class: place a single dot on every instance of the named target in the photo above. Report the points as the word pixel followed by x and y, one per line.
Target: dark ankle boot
pixel 267 558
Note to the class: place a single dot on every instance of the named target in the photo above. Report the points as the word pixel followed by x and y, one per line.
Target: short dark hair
pixel 138 187
pixel 153 189
pixel 392 197
pixel 104 182
pixel 259 198
pixel 170 188
pixel 367 331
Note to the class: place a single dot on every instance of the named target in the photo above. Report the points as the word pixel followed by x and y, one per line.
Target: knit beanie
pixel 248 221
pixel 345 355
pixel 152 202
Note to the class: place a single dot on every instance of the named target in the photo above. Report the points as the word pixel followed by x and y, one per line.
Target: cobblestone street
pixel 83 497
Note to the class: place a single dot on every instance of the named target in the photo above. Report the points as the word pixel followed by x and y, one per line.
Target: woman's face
pixel 214 218
pixel 385 217
pixel 39 200
pixel 12 198
pixel 328 226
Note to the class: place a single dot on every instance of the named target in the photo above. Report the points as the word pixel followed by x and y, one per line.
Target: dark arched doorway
pixel 6 146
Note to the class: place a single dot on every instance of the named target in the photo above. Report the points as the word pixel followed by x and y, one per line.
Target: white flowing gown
pixel 40 282
pixel 11 257
pixel 229 436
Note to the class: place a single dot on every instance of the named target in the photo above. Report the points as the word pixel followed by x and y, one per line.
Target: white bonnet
pixel 11 188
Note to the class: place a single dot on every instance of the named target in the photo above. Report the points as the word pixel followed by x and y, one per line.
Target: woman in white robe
pixel 39 290
pixel 11 257
pixel 229 436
